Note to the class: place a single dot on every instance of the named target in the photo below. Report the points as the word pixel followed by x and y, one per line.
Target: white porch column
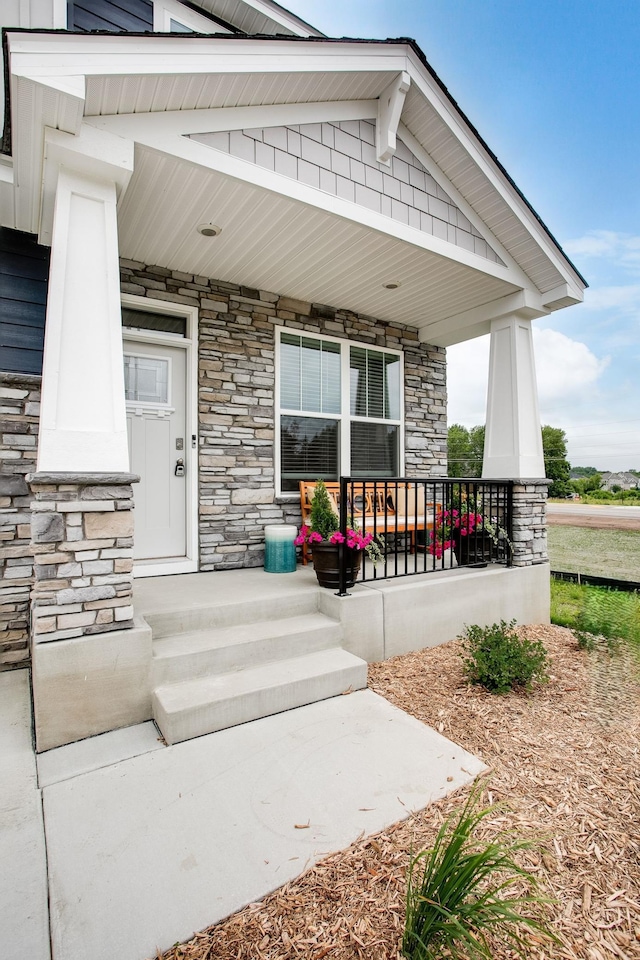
pixel 513 437
pixel 83 419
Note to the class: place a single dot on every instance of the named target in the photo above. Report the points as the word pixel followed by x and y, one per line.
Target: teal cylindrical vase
pixel 279 549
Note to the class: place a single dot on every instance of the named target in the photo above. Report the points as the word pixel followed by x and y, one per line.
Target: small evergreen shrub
pixel 499 660
pixel 324 519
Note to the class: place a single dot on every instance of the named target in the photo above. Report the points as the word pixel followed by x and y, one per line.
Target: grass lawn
pixel 599 553
pixel 597 610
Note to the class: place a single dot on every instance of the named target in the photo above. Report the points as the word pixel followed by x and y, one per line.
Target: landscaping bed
pixel 565 770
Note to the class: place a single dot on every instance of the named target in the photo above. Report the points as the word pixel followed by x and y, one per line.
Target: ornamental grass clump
pixel 499 659
pixel 458 893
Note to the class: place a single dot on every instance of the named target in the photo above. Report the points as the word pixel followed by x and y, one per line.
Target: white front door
pixel 155 389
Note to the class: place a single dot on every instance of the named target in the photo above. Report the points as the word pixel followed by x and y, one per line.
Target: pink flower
pixel 302 535
pixel 315 537
pixel 336 537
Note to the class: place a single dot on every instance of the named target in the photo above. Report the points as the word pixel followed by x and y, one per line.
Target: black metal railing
pixel 422 525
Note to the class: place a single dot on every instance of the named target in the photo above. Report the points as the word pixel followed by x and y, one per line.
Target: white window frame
pixel 164 11
pixel 189 343
pixel 344 417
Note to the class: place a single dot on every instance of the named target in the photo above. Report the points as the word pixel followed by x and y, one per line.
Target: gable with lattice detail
pixel 339 158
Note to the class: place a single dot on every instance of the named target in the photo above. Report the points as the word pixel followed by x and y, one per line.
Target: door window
pixel 146 379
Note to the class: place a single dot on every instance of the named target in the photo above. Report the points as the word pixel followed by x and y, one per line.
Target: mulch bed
pixel 564 770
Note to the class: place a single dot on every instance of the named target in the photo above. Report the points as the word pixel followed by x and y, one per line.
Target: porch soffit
pixel 134 96
pixel 277 243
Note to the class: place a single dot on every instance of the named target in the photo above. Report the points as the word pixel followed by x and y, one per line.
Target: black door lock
pixel 179 471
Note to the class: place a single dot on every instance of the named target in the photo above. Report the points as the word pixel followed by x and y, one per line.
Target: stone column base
pixel 81 539
pixel 530 522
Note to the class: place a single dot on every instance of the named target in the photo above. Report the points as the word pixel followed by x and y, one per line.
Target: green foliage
pixel 465 451
pixel 498 659
pixel 596 612
pixel 323 518
pixel 557 467
pixel 577 472
pixel 456 893
pixel 586 641
pixel 630 497
pixel 586 484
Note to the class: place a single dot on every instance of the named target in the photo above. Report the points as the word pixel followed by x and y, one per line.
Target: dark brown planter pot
pixel 474 548
pixel 326 565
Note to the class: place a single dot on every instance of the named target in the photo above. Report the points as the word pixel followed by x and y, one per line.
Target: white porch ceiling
pixel 276 243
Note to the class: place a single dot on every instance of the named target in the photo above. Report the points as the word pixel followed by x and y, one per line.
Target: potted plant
pixel 475 537
pixel 442 535
pixel 324 537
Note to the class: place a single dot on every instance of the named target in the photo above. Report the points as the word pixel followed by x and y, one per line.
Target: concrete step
pixel 221 650
pixel 197 707
pixel 243 609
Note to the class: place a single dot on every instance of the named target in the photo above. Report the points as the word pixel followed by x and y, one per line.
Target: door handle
pixel 179 471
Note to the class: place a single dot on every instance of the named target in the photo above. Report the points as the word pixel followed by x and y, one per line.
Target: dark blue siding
pixel 132 16
pixel 24 273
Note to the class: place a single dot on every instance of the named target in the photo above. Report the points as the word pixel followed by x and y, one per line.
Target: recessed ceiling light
pixel 209 229
pixel 392 285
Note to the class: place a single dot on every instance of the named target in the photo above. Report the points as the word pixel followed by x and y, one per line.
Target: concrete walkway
pixel 146 844
pixel 24 922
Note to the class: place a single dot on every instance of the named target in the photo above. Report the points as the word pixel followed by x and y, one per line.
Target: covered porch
pixel 240 231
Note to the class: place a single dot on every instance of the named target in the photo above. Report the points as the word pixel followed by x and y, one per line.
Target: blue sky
pixel 553 86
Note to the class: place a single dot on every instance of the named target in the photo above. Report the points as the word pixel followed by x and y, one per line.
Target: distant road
pixel 587 515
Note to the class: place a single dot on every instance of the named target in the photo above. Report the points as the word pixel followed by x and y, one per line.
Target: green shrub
pixel 498 659
pixel 456 893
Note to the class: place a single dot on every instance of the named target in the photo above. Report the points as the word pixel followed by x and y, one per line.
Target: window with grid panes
pixel 339 410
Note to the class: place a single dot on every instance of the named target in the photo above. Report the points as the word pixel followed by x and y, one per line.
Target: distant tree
pixel 577 472
pixel 557 467
pixel 587 484
pixel 465 449
pixel 476 441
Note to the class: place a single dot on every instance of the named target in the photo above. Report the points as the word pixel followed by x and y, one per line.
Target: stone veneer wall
pixel 236 400
pixel 530 522
pixel 82 534
pixel 19 418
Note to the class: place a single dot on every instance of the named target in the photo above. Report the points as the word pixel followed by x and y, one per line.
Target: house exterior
pixel 213 221
pixel 623 480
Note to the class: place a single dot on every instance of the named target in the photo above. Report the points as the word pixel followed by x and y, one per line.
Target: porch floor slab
pixel 149 849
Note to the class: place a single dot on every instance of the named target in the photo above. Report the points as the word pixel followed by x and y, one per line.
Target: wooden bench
pixel 406 510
